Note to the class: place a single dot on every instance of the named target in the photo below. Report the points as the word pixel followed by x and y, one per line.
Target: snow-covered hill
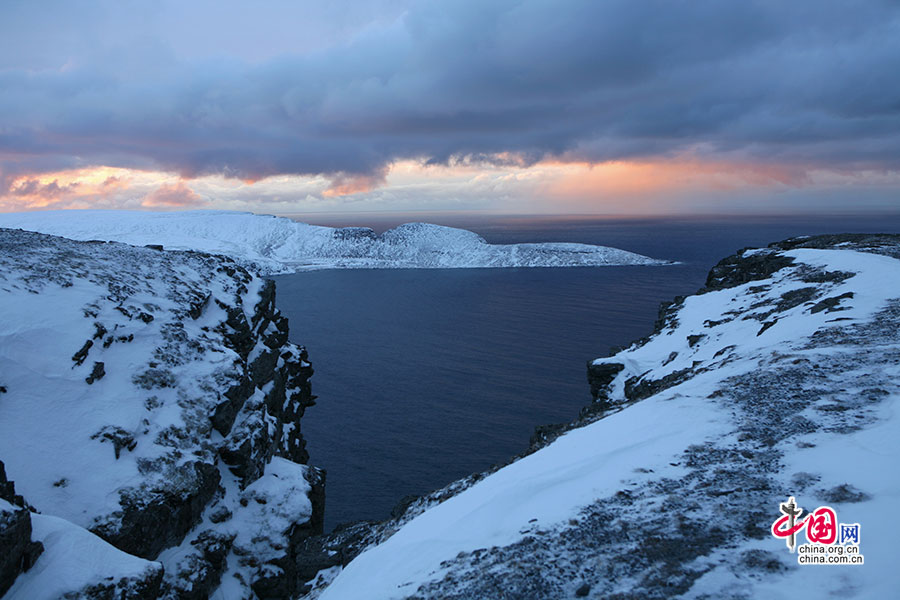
pixel 279 245
pixel 150 410
pixel 781 378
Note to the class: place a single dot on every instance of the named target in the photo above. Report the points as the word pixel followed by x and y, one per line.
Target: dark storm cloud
pixel 806 83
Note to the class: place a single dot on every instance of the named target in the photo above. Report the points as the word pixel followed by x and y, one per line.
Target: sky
pixel 506 106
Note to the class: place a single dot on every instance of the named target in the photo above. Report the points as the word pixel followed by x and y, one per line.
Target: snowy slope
pixel 279 245
pixel 150 399
pixel 75 560
pixel 780 379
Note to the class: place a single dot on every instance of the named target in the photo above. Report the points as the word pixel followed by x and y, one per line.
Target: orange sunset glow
pixel 546 186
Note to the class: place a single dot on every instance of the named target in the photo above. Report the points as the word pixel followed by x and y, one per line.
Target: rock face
pixel 19 551
pixel 779 378
pixel 152 398
pixel 600 376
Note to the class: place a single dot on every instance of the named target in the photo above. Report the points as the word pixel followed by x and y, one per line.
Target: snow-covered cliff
pixel 279 245
pixel 780 378
pixel 150 409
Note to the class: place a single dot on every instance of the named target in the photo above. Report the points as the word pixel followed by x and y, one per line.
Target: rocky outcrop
pixel 744 267
pixel 600 376
pixel 154 518
pixel 270 363
pixel 176 400
pixel 876 243
pixel 125 588
pixel 19 551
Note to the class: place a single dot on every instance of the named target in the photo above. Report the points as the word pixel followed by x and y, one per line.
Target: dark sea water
pixel 425 376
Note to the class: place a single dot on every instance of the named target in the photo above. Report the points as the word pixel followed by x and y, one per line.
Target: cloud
pixel 178 195
pixel 345 184
pixel 33 187
pixel 800 85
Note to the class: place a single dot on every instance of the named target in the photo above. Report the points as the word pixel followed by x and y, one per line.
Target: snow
pixel 544 492
pixel 539 490
pixel 280 245
pixel 50 417
pixel 795 324
pixel 50 414
pixel 72 560
pixel 54 292
pixel 261 516
pixel 875 448
pixel 76 450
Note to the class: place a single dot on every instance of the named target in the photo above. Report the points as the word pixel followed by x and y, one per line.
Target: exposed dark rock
pixel 118 437
pixel 666 316
pixel 237 331
pixel 146 587
pixel 822 276
pixel 18 553
pixel 830 304
pixel 100 331
pixel 543 435
pixel 220 515
pixel 337 548
pixel 316 479
pixel 354 233
pixel 262 369
pixel 79 356
pixel 200 571
pixel 876 243
pixel 723 351
pixel 638 388
pixel 600 375
pixel 401 507
pixel 742 268
pixel 795 298
pixel 97 373
pixel 844 493
pixel 763 560
pixel 249 447
pixel 802 481
pixel 294 570
pixel 8 489
pixel 766 326
pixel 197 307
pixel 154 378
pixel 227 410
pixel 154 519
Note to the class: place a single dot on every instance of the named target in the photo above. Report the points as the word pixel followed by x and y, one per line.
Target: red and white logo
pixel 830 542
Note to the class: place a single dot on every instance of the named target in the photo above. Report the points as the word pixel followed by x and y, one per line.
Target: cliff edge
pixel 150 408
